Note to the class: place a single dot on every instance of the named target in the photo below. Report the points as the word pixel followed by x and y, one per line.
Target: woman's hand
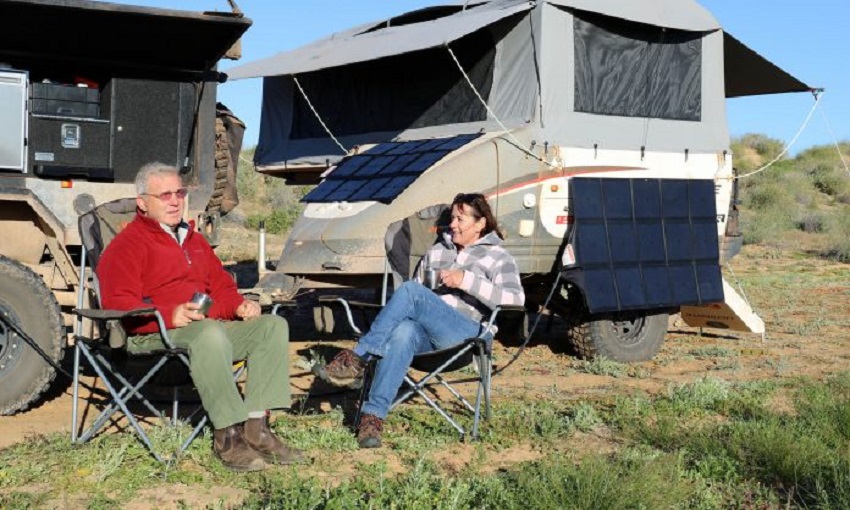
pixel 451 277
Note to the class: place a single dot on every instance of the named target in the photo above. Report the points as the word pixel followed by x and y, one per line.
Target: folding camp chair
pixel 406 241
pixel 476 352
pixel 100 340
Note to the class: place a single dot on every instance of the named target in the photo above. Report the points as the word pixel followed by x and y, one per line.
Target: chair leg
pixel 454 392
pixel 75 392
pixel 368 376
pixel 194 434
pixel 483 390
pixel 122 404
pixel 128 389
pixel 418 389
pixel 174 406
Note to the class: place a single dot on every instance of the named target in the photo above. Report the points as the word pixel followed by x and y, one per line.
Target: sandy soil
pixel 807 336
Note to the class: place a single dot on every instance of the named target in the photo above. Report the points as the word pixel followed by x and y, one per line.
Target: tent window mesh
pixel 415 90
pixel 636 70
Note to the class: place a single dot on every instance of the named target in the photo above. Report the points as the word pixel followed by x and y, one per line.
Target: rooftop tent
pixel 615 74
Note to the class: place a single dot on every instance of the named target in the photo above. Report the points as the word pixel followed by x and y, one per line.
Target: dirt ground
pixel 807 335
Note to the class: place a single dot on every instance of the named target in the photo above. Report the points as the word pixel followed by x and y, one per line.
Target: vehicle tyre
pixel 623 336
pixel 25 298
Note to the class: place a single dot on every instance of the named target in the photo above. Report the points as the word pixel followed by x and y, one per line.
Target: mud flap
pixel 733 313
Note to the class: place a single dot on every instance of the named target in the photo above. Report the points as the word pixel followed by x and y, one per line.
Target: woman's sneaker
pixel 345 369
pixel 369 431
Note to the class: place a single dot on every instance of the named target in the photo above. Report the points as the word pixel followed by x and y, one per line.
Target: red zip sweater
pixel 144 266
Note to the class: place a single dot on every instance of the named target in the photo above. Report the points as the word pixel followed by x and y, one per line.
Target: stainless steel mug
pixel 432 278
pixel 203 300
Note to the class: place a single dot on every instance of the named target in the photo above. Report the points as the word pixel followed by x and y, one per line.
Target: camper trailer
pixel 596 129
pixel 89 92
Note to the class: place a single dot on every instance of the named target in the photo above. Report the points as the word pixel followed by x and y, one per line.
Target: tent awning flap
pixel 355 47
pixel 684 15
pixel 750 74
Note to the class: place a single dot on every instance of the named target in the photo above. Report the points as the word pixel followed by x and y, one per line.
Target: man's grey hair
pixel 155 168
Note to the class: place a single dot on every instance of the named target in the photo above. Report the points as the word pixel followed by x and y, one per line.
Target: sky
pixel 809 39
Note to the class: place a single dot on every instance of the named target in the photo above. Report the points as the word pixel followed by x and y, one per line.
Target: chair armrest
pixel 511 308
pixel 108 315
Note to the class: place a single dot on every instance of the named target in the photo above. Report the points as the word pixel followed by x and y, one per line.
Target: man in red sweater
pixel 159 260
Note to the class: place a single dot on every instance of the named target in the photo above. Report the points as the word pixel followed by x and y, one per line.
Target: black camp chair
pixel 476 352
pixel 102 342
pixel 406 241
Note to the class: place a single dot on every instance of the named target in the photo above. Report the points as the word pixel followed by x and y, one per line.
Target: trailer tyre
pixel 622 337
pixel 25 299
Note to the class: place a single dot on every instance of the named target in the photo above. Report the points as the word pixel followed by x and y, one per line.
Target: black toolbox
pixel 65 100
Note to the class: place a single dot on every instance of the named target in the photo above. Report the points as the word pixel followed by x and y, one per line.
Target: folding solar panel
pixel 383 172
pixel 645 243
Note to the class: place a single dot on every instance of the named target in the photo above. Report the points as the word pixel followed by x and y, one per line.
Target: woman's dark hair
pixel 479 208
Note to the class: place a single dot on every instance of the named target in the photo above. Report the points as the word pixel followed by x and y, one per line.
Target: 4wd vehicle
pixel 90 91
pixel 527 102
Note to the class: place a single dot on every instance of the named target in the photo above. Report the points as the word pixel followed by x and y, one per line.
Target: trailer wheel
pixel 623 337
pixel 26 300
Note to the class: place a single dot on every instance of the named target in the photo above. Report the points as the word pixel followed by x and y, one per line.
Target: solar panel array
pixel 646 243
pixel 384 171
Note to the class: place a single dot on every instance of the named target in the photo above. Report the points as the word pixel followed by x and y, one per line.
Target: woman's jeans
pixel 415 320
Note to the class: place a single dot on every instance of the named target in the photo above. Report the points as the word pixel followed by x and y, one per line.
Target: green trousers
pixel 214 346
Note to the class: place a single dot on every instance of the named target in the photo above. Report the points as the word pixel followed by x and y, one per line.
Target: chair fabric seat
pixel 431 361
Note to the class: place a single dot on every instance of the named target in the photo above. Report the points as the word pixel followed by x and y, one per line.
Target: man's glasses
pixel 165 196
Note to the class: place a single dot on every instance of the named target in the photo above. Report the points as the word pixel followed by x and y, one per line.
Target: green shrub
pixel 767 225
pixel 767 149
pixel 278 222
pixel 259 192
pixel 601 365
pixel 831 180
pixel 703 393
pixel 838 237
pixel 812 221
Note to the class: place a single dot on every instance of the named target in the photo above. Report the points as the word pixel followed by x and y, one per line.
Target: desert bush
pixel 702 393
pixel 267 199
pixel 831 180
pixel 812 221
pixel 801 188
pixel 768 194
pixel 767 225
pixel 766 149
pixel 838 237
pixel 278 221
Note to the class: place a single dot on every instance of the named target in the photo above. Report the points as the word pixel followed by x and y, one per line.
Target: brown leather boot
pixel 260 437
pixel 231 447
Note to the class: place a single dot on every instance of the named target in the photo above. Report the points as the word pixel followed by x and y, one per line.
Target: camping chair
pixel 406 241
pixel 102 342
pixel 476 352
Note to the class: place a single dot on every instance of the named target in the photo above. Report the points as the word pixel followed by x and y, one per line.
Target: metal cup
pixel 202 300
pixel 432 278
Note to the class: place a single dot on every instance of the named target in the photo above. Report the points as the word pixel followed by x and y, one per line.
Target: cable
pixel 328 131
pixel 834 141
pixel 50 361
pixel 519 144
pixel 818 94
pixel 533 329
